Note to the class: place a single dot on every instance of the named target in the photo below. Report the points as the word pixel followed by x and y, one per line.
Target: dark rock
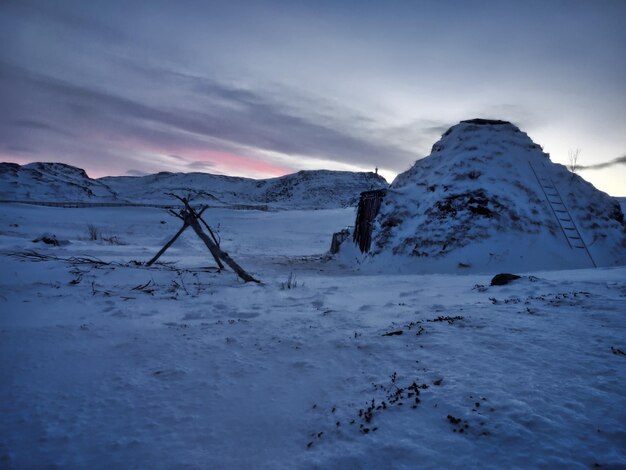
pixel 503 279
pixel 47 240
pixel 617 213
pixel 50 239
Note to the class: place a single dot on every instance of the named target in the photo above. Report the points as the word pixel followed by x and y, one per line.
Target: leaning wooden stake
pixel 167 245
pixel 190 219
pixel 215 250
pixel 215 240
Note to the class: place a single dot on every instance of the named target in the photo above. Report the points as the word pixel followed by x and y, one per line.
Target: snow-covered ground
pixel 116 365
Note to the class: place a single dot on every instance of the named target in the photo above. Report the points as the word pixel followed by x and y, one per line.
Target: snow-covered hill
pixel 475 203
pixel 320 189
pixel 50 182
pixel 57 182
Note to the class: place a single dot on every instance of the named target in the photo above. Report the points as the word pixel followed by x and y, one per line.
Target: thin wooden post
pixel 209 229
pixel 215 250
pixel 167 245
pixel 191 220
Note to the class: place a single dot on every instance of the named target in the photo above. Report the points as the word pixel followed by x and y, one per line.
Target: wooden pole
pixel 216 252
pixel 167 245
pixel 209 229
pixel 174 238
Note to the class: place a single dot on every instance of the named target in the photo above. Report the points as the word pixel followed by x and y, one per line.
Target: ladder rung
pixel 563 216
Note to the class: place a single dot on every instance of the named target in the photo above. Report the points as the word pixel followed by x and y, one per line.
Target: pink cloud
pixel 152 157
pixel 233 164
pixel 217 161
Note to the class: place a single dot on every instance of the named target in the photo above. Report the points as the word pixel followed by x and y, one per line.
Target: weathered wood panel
pixel 369 205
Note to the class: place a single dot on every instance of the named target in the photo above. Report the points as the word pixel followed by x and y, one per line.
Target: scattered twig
pixel 449 319
pixel 617 351
pixel 146 287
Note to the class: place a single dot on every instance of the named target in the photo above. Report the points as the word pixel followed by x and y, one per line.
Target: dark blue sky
pixel 265 88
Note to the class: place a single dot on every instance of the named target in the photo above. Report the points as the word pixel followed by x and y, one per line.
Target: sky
pixel 266 88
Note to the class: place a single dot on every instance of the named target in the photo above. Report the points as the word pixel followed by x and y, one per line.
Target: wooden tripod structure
pixel 192 219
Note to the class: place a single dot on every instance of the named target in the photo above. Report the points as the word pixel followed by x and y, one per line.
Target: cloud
pixel 20 149
pixel 600 166
pixel 136 173
pixel 62 17
pixel 35 125
pixel 197 165
pixel 274 120
pixel 217 117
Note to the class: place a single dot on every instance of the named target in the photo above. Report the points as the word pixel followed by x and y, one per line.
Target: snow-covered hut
pixel 488 198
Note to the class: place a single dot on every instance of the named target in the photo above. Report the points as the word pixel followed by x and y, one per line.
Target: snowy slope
pixel 50 182
pixel 56 182
pixel 319 189
pixel 475 204
pixel 122 366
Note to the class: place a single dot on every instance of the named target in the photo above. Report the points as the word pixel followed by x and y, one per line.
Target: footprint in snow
pixel 169 374
pixel 244 314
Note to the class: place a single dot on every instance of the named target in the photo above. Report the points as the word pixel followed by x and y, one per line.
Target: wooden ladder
pixel 561 213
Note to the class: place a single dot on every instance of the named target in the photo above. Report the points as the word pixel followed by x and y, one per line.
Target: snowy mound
pixel 320 189
pixel 56 182
pixel 50 182
pixel 488 198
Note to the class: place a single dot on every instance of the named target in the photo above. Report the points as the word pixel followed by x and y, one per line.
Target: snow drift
pixel 477 203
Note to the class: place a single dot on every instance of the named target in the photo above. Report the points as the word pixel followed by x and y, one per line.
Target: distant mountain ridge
pixel 58 182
